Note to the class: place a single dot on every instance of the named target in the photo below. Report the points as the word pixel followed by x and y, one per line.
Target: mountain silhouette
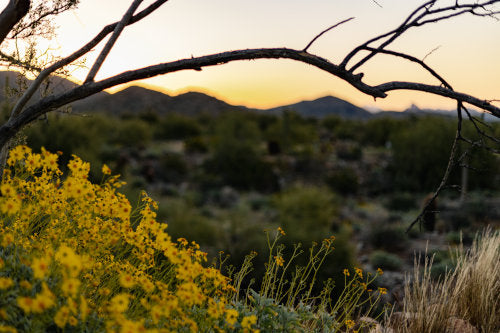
pixel 135 99
pixel 326 106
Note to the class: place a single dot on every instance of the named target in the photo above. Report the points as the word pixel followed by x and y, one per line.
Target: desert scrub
pixel 75 256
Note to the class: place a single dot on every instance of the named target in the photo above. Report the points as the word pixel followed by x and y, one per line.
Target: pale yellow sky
pixel 467 57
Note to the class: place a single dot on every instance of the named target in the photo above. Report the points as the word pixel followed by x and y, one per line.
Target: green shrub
pixel 195 144
pixel 239 166
pixel 385 260
pixel 401 201
pixel 438 270
pixel 388 237
pixel 350 152
pixel 177 127
pixel 131 133
pixel 458 237
pixel 173 168
pixel 307 213
pixel 344 181
pixel 420 153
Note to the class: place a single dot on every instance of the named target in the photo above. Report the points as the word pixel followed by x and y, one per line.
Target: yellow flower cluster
pixel 94 264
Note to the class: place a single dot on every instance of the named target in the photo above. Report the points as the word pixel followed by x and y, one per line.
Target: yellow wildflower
pixel 11 206
pixel 346 272
pixel 231 316
pixel 359 272
pixel 33 161
pixel 349 323
pixel 7 329
pixel 382 291
pixel 25 284
pixel 40 267
pixel 248 321
pixel 84 308
pixel 281 231
pixel 70 287
pixel 17 154
pixel 126 280
pixel 42 302
pixel 7 190
pixel 7 239
pixel 5 283
pixel 62 316
pixel 279 260
pixel 3 314
pixel 25 303
pixel 106 170
pixel 119 303
pixel 379 271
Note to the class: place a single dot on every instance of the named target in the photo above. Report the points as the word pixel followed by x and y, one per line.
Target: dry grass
pixel 470 291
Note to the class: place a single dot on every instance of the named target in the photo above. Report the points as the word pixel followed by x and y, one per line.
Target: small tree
pixel 30 18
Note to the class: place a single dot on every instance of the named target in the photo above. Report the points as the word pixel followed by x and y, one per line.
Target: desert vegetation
pixel 76 255
pixel 187 214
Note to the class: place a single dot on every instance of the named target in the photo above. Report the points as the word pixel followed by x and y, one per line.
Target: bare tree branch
pixel 111 42
pixel 11 15
pixel 325 31
pixel 416 60
pixel 12 61
pixel 442 185
pixel 416 19
pixel 52 102
pixel 77 54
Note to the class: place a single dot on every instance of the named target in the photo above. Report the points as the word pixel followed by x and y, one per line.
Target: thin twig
pixel 444 180
pixel 431 52
pixel 416 60
pixel 325 31
pixel 111 42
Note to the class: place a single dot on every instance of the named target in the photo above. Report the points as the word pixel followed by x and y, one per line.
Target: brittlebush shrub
pixel 75 257
pixel 70 259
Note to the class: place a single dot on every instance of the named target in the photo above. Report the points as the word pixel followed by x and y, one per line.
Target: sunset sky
pixel 468 54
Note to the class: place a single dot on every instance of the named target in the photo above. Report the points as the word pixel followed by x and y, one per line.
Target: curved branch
pixel 52 102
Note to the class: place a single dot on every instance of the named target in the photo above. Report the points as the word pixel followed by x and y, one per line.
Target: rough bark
pixel 13 13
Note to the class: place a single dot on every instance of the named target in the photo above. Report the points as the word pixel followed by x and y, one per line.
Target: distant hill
pixel 325 106
pixel 134 99
pixel 57 84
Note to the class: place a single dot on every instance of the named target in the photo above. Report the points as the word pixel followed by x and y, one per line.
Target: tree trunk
pixel 13 13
